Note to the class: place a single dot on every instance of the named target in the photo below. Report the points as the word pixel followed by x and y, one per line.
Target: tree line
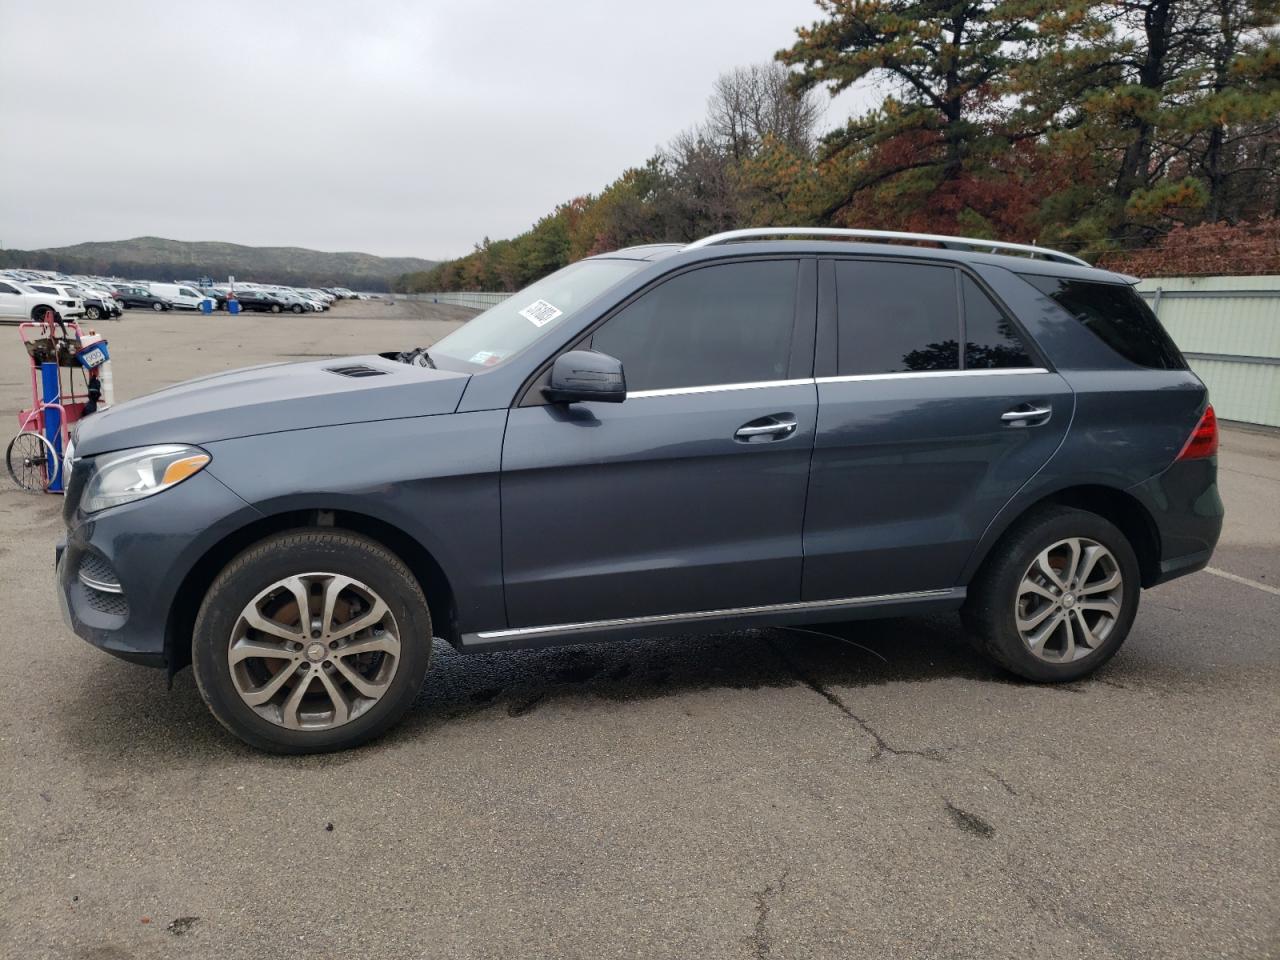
pixel 1111 128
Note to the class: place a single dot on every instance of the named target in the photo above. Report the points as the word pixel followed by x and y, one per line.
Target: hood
pixel 271 398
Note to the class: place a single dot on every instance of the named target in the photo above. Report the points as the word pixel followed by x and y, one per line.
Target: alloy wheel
pixel 1069 600
pixel 314 651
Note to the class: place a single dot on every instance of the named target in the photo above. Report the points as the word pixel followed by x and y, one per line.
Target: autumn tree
pixel 750 105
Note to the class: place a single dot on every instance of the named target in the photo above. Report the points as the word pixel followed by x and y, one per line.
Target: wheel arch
pixel 191 592
pixel 1126 511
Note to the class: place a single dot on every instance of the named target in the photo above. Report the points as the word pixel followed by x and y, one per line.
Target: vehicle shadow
pixel 119 711
pixel 828 655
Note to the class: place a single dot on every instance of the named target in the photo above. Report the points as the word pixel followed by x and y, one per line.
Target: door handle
pixel 1025 412
pixel 772 428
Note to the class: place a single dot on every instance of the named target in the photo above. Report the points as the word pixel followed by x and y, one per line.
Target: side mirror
pixel 586 375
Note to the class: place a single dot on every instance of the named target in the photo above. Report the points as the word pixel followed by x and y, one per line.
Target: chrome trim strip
pixel 720 387
pixel 102 586
pixel 912 374
pixel 710 614
pixel 715 388
pixel 974 243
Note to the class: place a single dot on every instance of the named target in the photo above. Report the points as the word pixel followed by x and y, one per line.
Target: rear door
pixel 920 442
pixel 12 302
pixel 689 495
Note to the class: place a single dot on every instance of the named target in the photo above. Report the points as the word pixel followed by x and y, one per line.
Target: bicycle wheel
pixel 33 463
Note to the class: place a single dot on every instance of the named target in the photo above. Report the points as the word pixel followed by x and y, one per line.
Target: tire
pixel 1014 584
pixel 296 308
pixel 318 560
pixel 275 308
pixel 37 314
pixel 32 462
pixel 92 313
pixel 158 307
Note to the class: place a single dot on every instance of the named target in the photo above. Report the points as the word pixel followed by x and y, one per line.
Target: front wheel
pixel 275 308
pixel 296 308
pixel 157 307
pixel 311 641
pixel 92 313
pixel 1057 597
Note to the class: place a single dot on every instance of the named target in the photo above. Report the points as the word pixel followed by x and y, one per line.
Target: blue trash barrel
pixel 206 306
pixel 233 306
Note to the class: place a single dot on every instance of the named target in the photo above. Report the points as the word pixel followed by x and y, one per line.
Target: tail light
pixel 1203 441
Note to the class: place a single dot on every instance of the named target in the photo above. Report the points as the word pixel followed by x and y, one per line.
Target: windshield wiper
pixel 417 357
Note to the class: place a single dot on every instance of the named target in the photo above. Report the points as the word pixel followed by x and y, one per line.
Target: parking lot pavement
pixel 870 790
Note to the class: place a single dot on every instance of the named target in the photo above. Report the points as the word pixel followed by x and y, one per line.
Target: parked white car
pixel 21 301
pixel 182 297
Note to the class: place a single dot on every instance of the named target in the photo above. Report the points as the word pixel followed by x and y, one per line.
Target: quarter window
pixel 991 341
pixel 896 317
pixel 727 323
pixel 1117 316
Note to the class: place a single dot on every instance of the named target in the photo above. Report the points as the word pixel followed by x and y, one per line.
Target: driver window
pixel 722 324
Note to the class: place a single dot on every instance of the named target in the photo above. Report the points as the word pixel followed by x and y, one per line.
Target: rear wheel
pixel 1057 597
pixel 311 641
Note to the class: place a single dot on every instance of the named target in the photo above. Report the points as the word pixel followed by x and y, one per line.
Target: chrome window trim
pixel 916 374
pixel 716 388
pixel 761 384
pixel 712 614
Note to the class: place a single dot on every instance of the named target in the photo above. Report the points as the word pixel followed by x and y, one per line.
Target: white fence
pixel 1228 328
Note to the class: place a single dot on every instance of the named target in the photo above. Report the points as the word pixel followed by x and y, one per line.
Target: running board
pixel 848 607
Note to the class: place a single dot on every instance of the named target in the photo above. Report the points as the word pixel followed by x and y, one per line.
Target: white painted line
pixel 1245 580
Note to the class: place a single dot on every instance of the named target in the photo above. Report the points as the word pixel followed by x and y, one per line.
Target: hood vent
pixel 357 370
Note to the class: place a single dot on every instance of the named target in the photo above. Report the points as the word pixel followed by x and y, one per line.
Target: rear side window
pixel 991 342
pixel 896 317
pixel 728 323
pixel 1117 316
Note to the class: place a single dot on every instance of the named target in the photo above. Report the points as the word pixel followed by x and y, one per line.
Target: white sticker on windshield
pixel 540 313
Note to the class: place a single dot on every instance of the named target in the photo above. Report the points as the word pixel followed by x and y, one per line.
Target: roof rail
pixel 970 243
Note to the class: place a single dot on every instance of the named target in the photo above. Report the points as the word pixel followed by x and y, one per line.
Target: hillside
pixel 154 258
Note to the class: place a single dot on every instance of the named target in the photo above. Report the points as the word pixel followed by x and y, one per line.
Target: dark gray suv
pixel 657 440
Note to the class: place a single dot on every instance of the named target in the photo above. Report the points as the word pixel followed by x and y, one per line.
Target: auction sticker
pixel 540 313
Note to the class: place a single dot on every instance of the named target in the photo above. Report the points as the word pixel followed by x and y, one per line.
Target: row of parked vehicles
pixel 30 293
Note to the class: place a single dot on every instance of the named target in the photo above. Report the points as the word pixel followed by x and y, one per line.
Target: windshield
pixel 504 330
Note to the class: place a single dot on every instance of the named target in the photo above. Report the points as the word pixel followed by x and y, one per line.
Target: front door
pixel 920 443
pixel 688 496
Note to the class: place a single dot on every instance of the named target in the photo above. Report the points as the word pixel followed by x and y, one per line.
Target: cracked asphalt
pixel 866 790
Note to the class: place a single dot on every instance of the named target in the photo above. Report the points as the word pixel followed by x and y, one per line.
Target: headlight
pixel 133 474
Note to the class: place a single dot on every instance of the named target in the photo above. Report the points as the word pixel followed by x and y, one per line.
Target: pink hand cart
pixel 54 351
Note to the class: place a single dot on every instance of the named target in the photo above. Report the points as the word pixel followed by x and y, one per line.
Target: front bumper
pixel 150 546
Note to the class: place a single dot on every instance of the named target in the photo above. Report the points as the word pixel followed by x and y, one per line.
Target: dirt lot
pixel 875 791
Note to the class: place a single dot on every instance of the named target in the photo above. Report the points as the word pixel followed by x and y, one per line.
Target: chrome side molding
pixel 488 636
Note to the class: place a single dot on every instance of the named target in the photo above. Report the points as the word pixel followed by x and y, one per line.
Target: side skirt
pixel 715 621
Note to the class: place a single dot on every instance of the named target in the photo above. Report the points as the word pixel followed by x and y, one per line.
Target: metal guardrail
pixel 475 299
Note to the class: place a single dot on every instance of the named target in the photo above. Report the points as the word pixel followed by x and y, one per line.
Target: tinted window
pixel 896 317
pixel 1117 316
pixel 729 323
pixel 990 339
pixel 5 288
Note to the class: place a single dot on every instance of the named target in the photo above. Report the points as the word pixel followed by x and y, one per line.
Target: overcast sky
pixel 389 126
